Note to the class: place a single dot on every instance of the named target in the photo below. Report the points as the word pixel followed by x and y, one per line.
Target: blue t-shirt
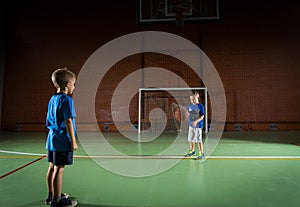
pixel 60 108
pixel 195 111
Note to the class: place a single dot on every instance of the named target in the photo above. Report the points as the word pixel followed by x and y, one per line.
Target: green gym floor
pixel 246 169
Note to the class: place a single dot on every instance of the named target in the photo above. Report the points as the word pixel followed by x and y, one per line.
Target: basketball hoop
pixel 180 9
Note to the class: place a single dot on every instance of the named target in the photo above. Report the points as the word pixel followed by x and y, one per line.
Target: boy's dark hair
pixel 61 76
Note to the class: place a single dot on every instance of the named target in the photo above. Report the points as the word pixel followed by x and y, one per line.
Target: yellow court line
pixel 163 157
pixel 20 155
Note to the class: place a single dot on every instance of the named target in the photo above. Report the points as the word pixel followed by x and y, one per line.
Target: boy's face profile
pixel 71 85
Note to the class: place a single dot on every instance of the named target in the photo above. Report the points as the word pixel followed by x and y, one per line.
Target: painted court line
pixel 183 157
pixel 22 153
pixel 31 155
pixel 19 168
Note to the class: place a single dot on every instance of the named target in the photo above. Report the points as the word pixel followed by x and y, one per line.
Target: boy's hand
pixel 74 146
pixel 195 124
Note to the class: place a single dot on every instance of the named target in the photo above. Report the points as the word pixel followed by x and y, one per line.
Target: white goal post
pixel 187 91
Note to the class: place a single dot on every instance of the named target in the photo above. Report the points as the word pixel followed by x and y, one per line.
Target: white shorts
pixel 195 135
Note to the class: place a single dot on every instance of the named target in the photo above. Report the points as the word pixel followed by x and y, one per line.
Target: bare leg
pixel 49 177
pixel 192 146
pixel 57 181
pixel 200 147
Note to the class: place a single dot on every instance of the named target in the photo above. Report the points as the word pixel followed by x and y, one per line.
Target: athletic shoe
pixel 201 155
pixel 63 195
pixel 190 153
pixel 64 202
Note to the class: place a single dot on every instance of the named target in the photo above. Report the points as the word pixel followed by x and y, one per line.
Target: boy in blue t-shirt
pixel 61 140
pixel 195 120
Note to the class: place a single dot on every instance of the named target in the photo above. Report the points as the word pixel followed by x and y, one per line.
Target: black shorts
pixel 60 158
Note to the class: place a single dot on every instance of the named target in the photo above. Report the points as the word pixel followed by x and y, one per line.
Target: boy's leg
pixel 200 147
pixel 49 178
pixel 199 139
pixel 191 141
pixel 49 181
pixel 60 159
pixel 192 146
pixel 57 181
pixel 201 153
pixel 200 143
pixel 191 135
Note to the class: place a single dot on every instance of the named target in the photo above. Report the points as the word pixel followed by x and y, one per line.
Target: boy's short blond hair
pixel 61 76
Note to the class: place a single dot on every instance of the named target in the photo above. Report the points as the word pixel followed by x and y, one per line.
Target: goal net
pixel 164 109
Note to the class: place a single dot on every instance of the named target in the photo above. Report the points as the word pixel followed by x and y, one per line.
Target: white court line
pixel 193 157
pixel 22 153
pixel 167 156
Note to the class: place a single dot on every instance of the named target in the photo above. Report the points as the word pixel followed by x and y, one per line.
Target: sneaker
pixel 190 153
pixel 63 195
pixel 201 155
pixel 64 202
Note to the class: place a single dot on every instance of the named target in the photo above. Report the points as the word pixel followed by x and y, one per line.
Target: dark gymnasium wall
pixel 254 47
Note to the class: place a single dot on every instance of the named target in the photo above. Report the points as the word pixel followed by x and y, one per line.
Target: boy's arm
pixel 198 120
pixel 70 130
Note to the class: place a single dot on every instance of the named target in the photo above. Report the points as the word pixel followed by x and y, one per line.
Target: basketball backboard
pixel 163 11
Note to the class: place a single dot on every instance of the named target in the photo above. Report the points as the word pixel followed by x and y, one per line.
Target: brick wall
pixel 255 49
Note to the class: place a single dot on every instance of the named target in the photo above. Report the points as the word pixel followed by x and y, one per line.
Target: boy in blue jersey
pixel 61 140
pixel 195 120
